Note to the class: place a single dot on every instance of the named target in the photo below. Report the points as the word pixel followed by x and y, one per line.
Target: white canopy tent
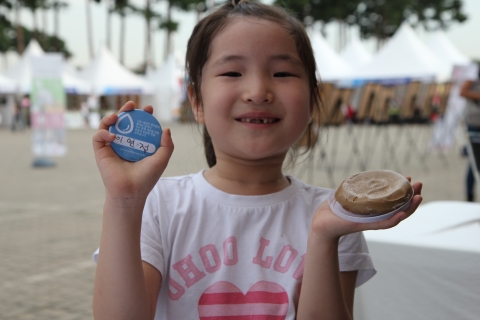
pixel 7 85
pixel 330 65
pixel 109 77
pixel 355 54
pixel 167 80
pixel 427 267
pixel 443 48
pixel 21 72
pixel 404 56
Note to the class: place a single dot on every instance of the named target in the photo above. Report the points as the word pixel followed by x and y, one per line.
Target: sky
pixel 73 30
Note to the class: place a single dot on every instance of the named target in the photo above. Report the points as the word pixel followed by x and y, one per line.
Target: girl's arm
pixel 325 295
pixel 466 91
pixel 349 280
pixel 123 287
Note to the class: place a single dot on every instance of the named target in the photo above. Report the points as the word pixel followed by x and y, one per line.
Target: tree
pixel 325 11
pixel 6 28
pixel 378 18
pixel 435 14
pixel 57 5
pixel 88 14
pixel 381 19
pixel 121 7
pixel 33 6
pixel 149 15
pixel 170 26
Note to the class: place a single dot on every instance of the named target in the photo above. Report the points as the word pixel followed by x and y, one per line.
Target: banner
pixel 47 107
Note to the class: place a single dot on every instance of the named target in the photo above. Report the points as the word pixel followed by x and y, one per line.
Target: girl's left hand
pixel 326 224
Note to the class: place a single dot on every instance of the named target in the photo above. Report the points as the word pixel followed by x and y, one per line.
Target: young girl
pixel 240 240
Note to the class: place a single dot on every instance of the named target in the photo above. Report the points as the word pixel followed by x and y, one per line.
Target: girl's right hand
pixel 123 178
pixel 326 224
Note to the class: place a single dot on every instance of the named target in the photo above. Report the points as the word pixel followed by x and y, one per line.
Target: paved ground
pixel 50 219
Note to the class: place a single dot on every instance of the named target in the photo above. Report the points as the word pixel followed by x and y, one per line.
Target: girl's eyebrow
pixel 287 58
pixel 281 57
pixel 229 58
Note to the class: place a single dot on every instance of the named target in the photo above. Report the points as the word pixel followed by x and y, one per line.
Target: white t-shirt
pixel 224 255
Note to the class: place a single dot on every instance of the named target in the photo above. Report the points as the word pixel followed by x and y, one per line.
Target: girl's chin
pixel 257 156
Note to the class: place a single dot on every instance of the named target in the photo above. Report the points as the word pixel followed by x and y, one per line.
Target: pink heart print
pixel 224 301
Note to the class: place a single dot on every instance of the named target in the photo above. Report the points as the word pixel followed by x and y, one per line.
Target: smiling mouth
pixel 258 120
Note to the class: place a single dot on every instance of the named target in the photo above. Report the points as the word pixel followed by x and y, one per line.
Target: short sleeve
pixel 151 244
pixel 353 255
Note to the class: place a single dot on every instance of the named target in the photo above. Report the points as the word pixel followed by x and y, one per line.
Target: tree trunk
pixel 148 36
pixel 89 28
pixel 122 38
pixel 35 24
pixel 56 27
pixel 20 39
pixel 44 23
pixel 168 44
pixel 109 27
pixel 56 22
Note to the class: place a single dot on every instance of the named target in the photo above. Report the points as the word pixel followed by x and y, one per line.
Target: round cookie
pixel 373 192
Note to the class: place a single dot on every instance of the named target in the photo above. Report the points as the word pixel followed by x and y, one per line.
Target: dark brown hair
pixel 198 50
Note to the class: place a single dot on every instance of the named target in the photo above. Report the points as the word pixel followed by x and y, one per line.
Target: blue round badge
pixel 138 135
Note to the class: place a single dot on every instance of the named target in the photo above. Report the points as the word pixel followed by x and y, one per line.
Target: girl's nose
pixel 258 91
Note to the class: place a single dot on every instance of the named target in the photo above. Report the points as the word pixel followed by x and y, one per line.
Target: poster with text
pixel 47 107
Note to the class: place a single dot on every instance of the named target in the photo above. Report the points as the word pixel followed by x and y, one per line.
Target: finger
pixel 408 178
pixel 130 105
pixel 148 109
pixel 416 200
pixel 163 154
pixel 100 138
pixel 417 188
pixel 107 121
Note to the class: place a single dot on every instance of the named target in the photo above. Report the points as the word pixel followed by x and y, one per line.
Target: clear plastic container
pixel 362 218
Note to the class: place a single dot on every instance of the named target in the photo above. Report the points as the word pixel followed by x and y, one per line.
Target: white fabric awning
pixel 355 54
pixel 330 66
pixel 109 77
pixel 7 85
pixel 404 56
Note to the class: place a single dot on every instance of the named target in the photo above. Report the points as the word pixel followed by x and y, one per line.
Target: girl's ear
pixel 197 107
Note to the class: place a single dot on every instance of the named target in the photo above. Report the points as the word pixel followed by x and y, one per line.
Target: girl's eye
pixel 232 74
pixel 282 74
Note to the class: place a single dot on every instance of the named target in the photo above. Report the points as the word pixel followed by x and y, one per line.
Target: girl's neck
pixel 258 178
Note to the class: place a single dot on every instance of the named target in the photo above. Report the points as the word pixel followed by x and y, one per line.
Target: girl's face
pixel 256 99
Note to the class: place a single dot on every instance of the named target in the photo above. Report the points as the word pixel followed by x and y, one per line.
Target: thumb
pixel 163 154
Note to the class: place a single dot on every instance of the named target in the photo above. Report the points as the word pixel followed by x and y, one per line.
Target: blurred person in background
pixel 471 92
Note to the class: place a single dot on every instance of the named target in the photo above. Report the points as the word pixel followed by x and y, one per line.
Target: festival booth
pixel 8 89
pixel 113 84
pixel 22 73
pixel 167 81
pixel 406 65
pixel 427 266
pixel 396 86
pixel 74 86
pixel 332 70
